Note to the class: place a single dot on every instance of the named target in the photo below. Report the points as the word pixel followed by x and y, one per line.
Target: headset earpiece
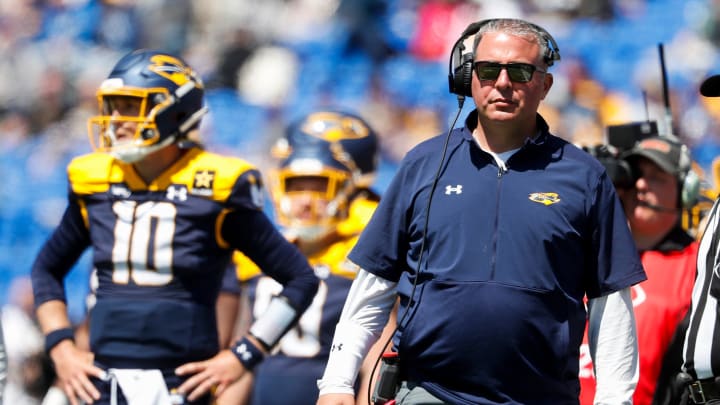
pixel 688 181
pixel 690 190
pixel 461 79
pixel 461 63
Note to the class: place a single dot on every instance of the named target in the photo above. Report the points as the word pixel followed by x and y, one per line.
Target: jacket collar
pixel 538 138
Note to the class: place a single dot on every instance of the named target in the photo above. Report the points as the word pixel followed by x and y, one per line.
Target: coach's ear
pixel 547 83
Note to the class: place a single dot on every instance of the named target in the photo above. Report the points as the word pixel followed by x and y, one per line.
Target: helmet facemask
pixel 310 199
pixel 103 129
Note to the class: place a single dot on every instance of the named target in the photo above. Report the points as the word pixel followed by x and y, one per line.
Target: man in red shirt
pixel 663 185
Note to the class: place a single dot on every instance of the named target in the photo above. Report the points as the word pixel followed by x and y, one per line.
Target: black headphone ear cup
pixel 690 191
pixel 462 76
pixel 461 64
pixel 689 180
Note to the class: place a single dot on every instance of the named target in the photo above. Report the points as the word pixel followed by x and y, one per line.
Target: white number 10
pixel 143 242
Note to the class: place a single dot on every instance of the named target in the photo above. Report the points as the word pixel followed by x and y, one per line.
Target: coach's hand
pixel 215 374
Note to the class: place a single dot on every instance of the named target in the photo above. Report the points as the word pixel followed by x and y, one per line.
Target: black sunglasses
pixel 518 72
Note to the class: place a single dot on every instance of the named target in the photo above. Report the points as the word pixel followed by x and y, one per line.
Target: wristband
pixel 53 338
pixel 277 319
pixel 248 354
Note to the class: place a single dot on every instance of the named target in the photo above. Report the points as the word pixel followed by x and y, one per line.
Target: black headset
pixel 461 63
pixel 688 186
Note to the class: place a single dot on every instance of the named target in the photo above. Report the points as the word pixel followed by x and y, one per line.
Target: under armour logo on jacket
pixel 456 190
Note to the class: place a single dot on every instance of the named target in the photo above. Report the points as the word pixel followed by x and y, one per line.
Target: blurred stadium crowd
pixel 266 61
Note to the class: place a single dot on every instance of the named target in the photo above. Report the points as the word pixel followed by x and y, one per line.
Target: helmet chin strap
pixel 310 234
pixel 192 120
pixel 310 247
pixel 133 154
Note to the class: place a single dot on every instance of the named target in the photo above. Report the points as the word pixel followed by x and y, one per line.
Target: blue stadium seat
pixel 413 82
pixel 235 123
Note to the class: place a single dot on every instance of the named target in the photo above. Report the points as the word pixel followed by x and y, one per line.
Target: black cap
pixel 711 86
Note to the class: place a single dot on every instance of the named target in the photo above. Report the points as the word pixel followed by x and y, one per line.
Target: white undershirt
pixel 500 158
pixel 612 339
pixel 366 311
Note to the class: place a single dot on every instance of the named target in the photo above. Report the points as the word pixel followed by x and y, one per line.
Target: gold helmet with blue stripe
pixel 326 157
pixel 168 94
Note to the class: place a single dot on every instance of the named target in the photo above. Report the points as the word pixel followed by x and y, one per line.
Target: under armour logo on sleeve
pixel 247 353
pixel 243 352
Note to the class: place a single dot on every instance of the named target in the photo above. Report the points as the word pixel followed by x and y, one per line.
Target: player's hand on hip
pixel 336 399
pixel 215 374
pixel 74 367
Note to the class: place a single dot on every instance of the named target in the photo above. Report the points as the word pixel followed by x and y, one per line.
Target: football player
pixel 163 217
pixel 322 198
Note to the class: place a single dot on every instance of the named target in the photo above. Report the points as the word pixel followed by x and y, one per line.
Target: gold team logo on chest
pixel 203 182
pixel 544 198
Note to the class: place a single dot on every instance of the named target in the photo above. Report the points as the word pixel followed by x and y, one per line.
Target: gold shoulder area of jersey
pixel 213 174
pixel 544 198
pixel 224 165
pixel 92 173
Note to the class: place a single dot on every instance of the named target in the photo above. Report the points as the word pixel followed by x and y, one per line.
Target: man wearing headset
pixel 663 186
pixel 492 237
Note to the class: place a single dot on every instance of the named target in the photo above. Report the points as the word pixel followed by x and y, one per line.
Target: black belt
pixel 702 391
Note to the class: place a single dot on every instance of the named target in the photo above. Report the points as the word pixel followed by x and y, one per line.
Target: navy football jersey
pixel 160 251
pixel 300 357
